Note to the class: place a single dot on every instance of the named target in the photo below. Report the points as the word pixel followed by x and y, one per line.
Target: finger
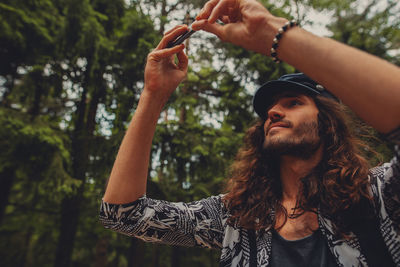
pixel 182 60
pixel 158 55
pixel 215 28
pixel 220 10
pixel 234 14
pixel 201 25
pixel 206 11
pixel 172 35
pixel 225 19
pixel 198 24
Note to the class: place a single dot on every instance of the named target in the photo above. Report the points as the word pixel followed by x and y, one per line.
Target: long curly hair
pixel 336 187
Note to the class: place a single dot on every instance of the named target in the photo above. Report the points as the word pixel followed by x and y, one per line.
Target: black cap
pixel 290 82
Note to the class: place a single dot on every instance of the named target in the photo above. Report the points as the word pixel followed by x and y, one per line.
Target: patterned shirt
pixel 203 223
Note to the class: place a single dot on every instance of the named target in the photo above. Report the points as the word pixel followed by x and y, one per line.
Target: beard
pixel 302 143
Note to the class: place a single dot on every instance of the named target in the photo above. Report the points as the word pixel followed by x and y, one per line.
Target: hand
pixel 246 23
pixel 162 75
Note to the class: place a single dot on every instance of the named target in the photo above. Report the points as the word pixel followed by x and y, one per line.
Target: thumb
pixel 214 28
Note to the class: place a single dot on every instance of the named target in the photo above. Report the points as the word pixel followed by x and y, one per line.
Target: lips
pixel 278 124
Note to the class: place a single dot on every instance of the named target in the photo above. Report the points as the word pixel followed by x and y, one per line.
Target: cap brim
pixel 264 96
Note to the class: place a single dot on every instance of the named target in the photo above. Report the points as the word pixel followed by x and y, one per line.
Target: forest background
pixel 71 73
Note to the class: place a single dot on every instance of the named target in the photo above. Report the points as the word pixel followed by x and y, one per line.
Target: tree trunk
pixel 155 256
pixel 26 247
pixel 6 182
pixel 38 93
pixel 70 207
pixel 9 85
pixel 136 253
pixel 101 253
pixel 175 262
pixel 118 253
pixel 69 224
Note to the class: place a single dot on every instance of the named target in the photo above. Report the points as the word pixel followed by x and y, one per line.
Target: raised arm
pixel 129 174
pixel 368 85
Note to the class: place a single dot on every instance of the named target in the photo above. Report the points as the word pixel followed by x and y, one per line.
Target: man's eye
pixel 294 103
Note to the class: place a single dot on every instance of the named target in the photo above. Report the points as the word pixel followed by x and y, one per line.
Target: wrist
pixel 152 102
pixel 273 24
pixel 275 42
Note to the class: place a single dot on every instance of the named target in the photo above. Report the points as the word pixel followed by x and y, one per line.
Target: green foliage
pixel 37 151
pixel 27 32
pixel 33 143
pixel 372 26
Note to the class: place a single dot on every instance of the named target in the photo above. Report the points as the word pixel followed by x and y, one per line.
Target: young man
pixel 300 193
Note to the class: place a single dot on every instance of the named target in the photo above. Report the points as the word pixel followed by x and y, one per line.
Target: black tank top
pixel 310 251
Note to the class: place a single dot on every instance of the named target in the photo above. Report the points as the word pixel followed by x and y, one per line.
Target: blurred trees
pixel 71 74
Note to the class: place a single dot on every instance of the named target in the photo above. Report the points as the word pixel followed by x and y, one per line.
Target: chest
pixel 297 228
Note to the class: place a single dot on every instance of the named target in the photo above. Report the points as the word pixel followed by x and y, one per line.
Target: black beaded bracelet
pixel 278 36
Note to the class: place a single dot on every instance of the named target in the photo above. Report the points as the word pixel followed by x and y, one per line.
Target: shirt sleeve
pixel 199 223
pixel 385 180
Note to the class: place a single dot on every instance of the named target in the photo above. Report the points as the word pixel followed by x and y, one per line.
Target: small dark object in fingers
pixel 180 39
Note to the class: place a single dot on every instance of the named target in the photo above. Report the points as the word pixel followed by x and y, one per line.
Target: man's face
pixel 291 127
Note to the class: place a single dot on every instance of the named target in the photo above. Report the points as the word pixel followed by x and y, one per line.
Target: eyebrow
pixel 282 95
pixel 287 94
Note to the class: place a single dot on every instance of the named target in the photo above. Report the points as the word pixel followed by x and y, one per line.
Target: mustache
pixel 283 123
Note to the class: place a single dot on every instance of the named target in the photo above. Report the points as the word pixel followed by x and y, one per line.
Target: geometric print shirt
pixel 203 223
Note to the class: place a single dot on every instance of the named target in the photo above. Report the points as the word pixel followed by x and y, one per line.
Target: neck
pixel 292 169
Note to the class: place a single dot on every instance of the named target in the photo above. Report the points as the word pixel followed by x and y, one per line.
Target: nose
pixel 275 113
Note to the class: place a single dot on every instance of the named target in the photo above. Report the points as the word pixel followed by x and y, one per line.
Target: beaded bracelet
pixel 278 36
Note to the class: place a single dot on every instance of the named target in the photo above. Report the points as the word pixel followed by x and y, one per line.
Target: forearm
pixel 162 76
pixel 368 85
pixel 129 174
